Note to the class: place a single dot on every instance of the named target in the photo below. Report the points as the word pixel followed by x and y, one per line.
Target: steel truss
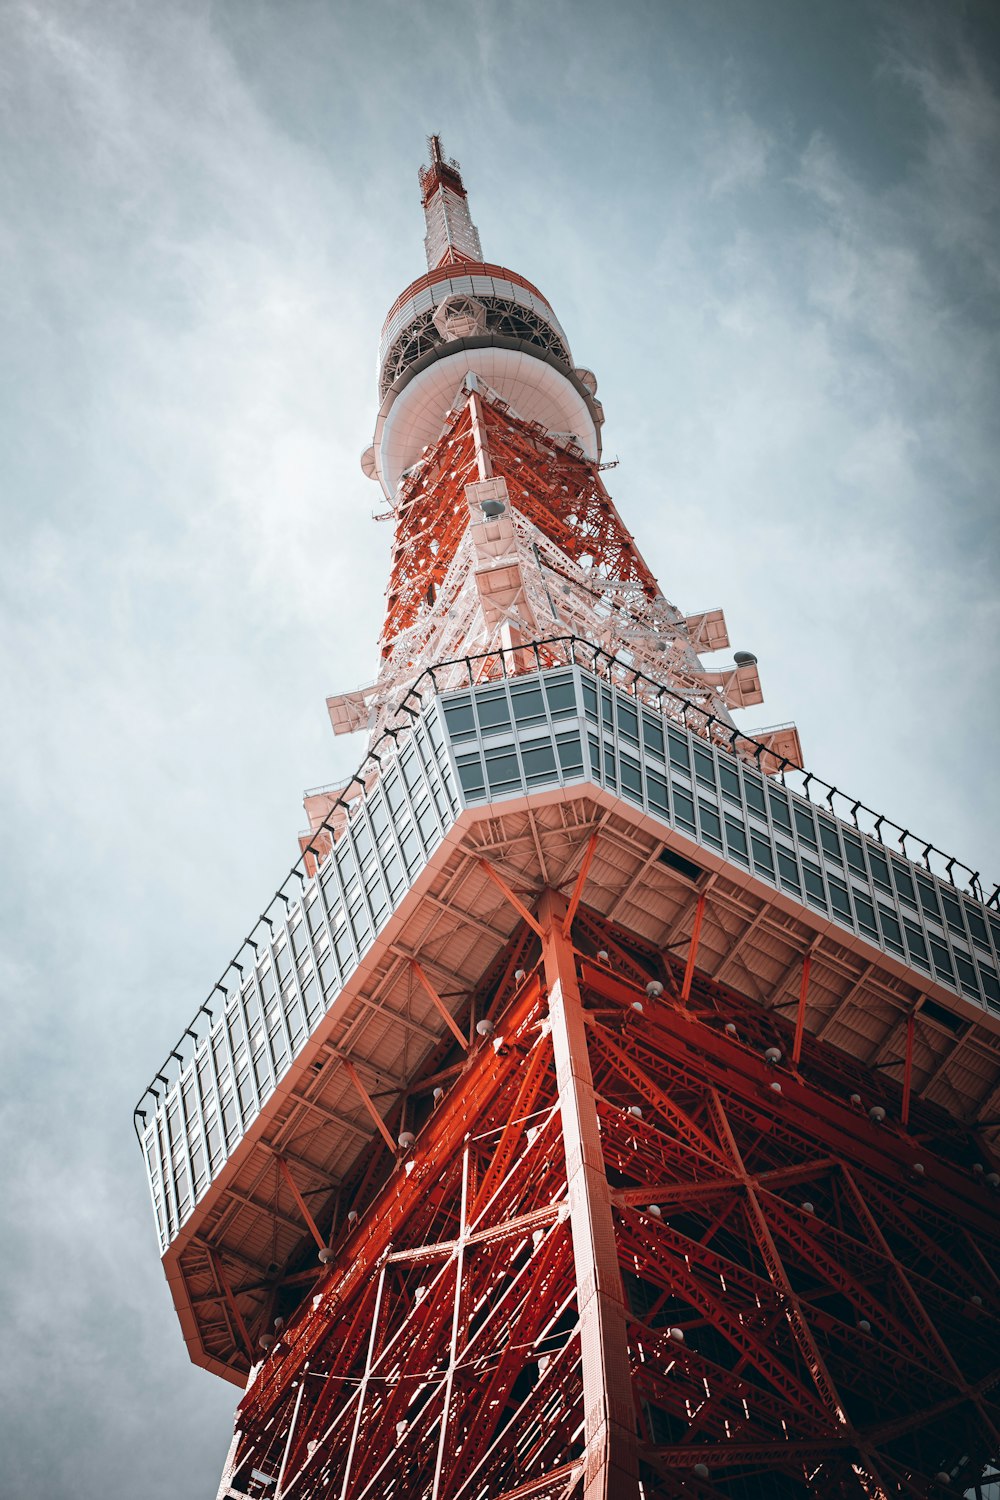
pixel 628 1254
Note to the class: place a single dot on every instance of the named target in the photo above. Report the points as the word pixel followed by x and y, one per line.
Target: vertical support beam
pixel 699 914
pixel 800 1015
pixel 908 1066
pixel 612 1463
pixel 484 465
pixel 457 1330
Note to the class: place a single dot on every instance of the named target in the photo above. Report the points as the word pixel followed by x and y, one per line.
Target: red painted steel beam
pixel 612 1471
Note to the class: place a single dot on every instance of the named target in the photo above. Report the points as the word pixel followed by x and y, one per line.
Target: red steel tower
pixel 603 1105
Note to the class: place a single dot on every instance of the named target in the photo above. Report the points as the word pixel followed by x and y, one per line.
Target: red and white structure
pixel 602 1105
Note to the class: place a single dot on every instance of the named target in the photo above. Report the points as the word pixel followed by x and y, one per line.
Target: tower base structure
pixel 634 1250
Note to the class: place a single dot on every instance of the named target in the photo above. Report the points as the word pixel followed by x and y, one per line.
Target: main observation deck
pixel 319 1005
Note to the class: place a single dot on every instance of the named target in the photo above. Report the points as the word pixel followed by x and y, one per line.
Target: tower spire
pixel 452 238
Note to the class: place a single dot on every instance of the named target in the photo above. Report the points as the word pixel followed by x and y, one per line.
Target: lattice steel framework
pixel 626 1247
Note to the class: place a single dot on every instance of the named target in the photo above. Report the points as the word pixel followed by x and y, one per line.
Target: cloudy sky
pixel 769 226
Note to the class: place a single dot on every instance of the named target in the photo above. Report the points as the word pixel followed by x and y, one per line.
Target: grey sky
pixel 769 227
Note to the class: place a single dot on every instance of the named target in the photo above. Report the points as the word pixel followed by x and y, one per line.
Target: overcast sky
pixel 769 226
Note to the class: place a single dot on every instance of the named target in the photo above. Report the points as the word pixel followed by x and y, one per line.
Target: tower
pixel 603 1105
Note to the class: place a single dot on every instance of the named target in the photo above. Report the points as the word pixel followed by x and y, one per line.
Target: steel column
pixel 612 1462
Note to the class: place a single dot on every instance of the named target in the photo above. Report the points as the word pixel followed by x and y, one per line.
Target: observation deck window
pixel 460 720
pixel 866 915
pixel 978 929
pixel 753 791
pixel 928 900
pixel 736 842
pixel 539 761
pixel 805 827
pixel 561 697
pixel 704 767
pixel 880 870
pixel 656 791
pixel 529 705
pixel 494 715
pixel 953 915
pixel 916 946
pixel 840 898
pixel 815 889
pixel 904 885
pixel 831 844
pixel 788 872
pixel 730 783
pixel 652 736
pixel 683 808
pixel 631 777
pixel 780 816
pixel 679 751
pixel 502 770
pixel 570 754
pixel 892 933
pixel 711 824
pixel 763 860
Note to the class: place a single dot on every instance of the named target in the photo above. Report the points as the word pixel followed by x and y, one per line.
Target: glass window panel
pixel 916 946
pixel 879 868
pixel 652 735
pixel 813 877
pixel 763 859
pixel 570 754
pixel 679 750
pixel 683 808
pixel 976 926
pixel 704 767
pixel 711 824
pixel 953 914
pixel 991 985
pixel 503 770
pixel 942 959
pixel 788 872
pixel 491 706
pixel 967 975
pixel 778 803
pixel 854 849
pixel 730 783
pixel 829 840
pixel 459 719
pixel 589 700
pixel 631 777
pixel 805 827
pixel 470 775
pixel 539 762
pixel 736 841
pixel 753 792
pixel 904 885
pixel 528 703
pixel 628 722
pixel 656 791
pixel 891 930
pixel 839 898
pixel 561 697
pixel 928 898
pixel 866 914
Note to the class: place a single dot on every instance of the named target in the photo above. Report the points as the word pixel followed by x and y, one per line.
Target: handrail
pixel 692 717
